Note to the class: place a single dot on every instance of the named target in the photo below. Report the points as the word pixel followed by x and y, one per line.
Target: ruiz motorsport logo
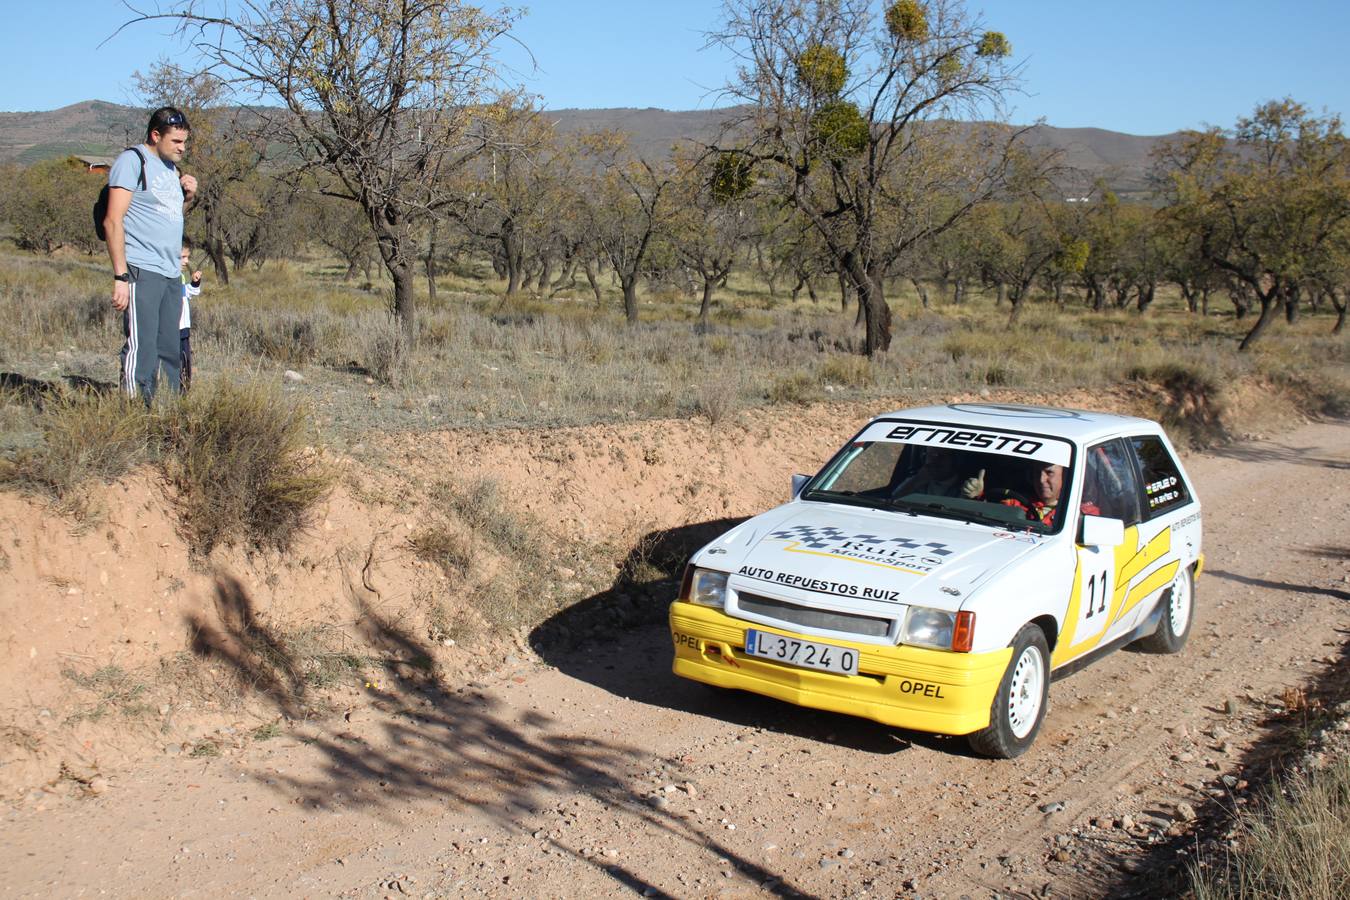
pixel 894 552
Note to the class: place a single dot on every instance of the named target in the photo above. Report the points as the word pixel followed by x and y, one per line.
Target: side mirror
pixel 799 482
pixel 1099 531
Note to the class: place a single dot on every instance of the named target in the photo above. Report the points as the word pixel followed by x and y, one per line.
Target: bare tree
pixel 379 94
pixel 847 121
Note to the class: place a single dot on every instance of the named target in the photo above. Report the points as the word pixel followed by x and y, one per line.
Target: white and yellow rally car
pixel 945 565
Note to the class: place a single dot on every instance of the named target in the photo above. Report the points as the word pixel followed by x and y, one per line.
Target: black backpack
pixel 101 204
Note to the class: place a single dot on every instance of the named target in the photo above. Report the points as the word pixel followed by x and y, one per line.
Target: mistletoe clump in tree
pixel 866 124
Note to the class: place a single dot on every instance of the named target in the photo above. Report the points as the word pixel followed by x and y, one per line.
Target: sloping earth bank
pixel 590 770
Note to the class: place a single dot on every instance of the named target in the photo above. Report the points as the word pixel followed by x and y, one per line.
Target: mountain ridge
pixel 101 127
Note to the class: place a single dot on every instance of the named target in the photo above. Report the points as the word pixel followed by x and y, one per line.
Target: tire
pixel 1178 613
pixel 1023 695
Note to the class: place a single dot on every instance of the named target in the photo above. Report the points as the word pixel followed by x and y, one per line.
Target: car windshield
pixel 996 485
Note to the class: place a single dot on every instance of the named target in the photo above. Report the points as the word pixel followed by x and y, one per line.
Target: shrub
pixel 384 352
pixel 481 505
pixel 798 387
pixel 286 338
pixel 83 436
pixel 437 544
pixel 237 456
pixel 1189 407
pixel 848 371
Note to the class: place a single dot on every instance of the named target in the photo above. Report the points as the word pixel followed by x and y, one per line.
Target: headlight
pixel 708 588
pixel 927 627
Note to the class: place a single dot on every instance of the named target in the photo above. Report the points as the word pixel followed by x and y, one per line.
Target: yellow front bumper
pixel 908 687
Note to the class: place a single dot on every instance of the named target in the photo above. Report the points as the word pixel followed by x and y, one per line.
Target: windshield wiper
pixel 946 512
pixel 850 498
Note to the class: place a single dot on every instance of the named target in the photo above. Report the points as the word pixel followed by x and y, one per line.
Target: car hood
pixel 863 559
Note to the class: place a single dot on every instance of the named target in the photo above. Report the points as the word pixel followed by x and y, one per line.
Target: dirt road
pixel 596 773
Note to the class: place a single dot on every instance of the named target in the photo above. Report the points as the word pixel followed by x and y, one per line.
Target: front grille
pixel 848 623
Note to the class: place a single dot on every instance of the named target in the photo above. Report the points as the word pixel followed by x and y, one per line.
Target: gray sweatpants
pixel 150 324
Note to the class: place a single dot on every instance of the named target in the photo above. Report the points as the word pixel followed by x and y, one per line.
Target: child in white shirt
pixel 191 289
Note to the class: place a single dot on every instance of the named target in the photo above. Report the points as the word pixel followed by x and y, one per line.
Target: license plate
pixel 799 652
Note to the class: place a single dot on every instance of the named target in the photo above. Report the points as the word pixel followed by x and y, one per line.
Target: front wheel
pixel 1178 612
pixel 1020 704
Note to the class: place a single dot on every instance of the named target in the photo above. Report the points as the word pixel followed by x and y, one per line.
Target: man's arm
pixel 119 200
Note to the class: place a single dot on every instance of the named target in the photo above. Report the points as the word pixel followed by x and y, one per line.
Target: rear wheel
pixel 1020 704
pixel 1178 611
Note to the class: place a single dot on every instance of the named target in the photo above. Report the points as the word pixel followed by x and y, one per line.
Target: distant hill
pixel 98 128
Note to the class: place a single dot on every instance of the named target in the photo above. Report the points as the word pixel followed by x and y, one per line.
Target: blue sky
pixel 1144 67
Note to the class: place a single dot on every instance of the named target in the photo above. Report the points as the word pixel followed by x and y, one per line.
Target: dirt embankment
pixel 239 697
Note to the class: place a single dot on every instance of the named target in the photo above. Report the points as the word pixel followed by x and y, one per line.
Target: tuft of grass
pixel 239 458
pixel 204 749
pixel 482 506
pixel 1295 843
pixel 438 544
pixel 114 690
pixel 847 371
pixel 797 387
pixel 267 732
pixel 285 338
pixel 385 353
pixel 83 437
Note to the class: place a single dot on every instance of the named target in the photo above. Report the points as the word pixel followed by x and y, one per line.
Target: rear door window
pixel 1164 488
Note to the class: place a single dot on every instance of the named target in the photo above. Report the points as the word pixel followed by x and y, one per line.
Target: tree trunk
pixel 843 292
pixel 959 292
pixel 708 284
pixel 630 298
pixel 545 273
pixel 1001 295
pixel 1291 303
pixel 1189 296
pixel 1268 309
pixel 1145 298
pixel 923 292
pixel 405 302
pixel 592 278
pixel 353 266
pixel 1339 302
pixel 431 263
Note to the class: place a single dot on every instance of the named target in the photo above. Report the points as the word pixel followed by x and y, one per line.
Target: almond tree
pixel 1266 202
pixel 379 94
pixel 850 121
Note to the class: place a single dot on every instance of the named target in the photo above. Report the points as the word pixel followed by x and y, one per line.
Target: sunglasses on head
pixel 175 120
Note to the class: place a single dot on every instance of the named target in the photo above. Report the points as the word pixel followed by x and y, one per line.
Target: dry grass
pixel 536 362
pixel 239 458
pixel 1296 843
pixel 82 437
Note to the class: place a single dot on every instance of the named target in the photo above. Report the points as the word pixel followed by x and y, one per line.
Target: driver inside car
pixel 940 475
pixel 1047 483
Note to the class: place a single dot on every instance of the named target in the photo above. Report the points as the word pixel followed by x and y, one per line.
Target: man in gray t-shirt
pixel 144 226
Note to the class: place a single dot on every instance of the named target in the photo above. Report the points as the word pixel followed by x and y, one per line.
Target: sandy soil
pixel 592 771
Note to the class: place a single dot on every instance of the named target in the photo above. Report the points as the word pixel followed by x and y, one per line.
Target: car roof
pixel 1079 425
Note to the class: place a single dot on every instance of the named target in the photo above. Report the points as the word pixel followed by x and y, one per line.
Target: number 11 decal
pixel 1095 606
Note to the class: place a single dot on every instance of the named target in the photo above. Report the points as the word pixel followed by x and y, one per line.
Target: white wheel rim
pixel 1024 695
pixel 1179 610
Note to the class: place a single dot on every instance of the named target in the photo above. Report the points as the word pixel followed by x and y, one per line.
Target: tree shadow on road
pixel 1280 585
pixel 1271 451
pixel 422 741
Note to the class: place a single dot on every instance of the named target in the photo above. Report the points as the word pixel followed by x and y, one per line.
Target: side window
pixel 1109 485
pixel 1163 487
